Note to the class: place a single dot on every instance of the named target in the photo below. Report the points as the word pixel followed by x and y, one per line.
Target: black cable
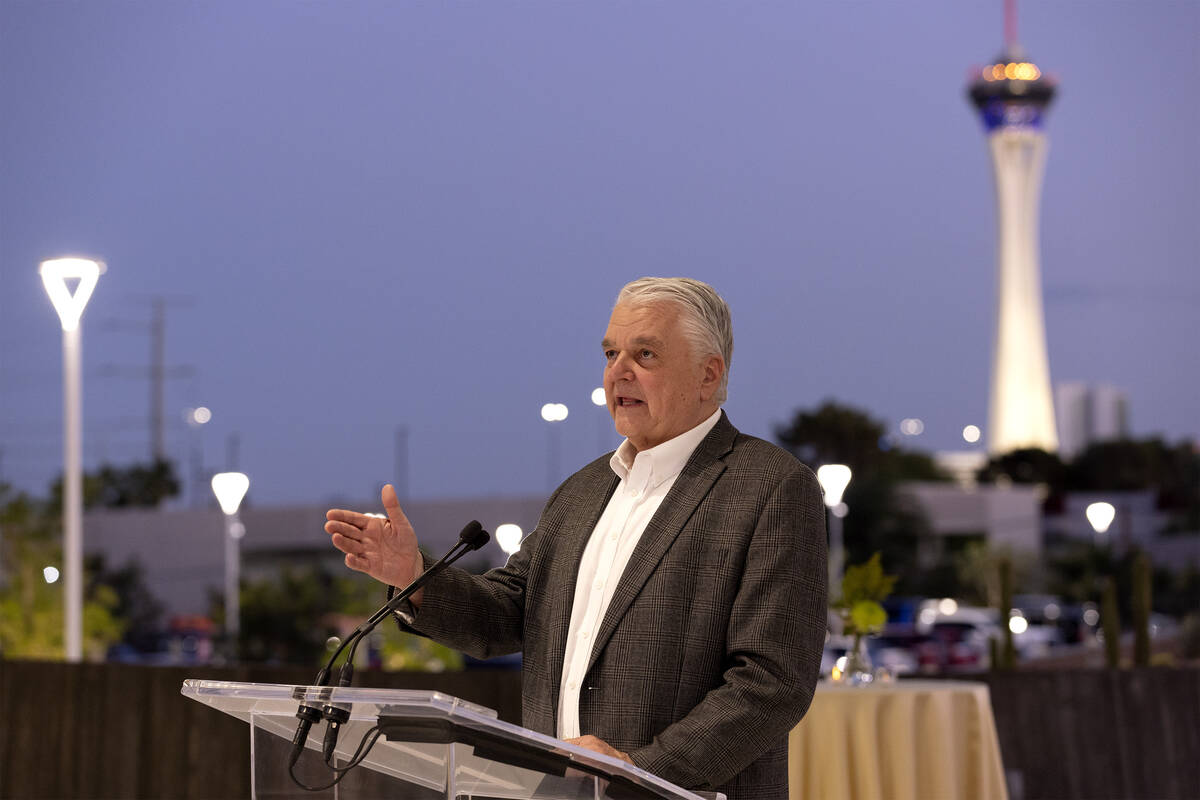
pixel 359 756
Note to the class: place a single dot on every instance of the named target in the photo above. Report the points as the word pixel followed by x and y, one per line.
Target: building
pixel 1011 96
pixel 1089 413
pixel 1005 518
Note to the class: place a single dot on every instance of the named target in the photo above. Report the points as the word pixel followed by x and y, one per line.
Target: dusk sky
pixel 369 214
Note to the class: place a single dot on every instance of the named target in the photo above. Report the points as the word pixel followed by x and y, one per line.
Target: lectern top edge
pixel 288 693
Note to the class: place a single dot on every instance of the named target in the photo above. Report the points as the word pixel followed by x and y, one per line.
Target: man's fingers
pixel 589 742
pixel 350 517
pixel 345 529
pixel 391 504
pixel 347 545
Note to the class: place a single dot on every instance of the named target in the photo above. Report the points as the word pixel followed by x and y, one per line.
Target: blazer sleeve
pixel 480 615
pixel 773 647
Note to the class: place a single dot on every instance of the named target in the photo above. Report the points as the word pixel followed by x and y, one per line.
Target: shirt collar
pixel 649 468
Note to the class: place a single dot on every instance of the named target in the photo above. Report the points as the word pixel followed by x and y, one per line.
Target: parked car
pixel 966 643
pixel 905 651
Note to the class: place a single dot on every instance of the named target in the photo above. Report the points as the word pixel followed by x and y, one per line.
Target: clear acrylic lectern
pixel 419 746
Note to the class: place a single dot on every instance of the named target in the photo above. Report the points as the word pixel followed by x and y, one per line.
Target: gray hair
pixel 704 316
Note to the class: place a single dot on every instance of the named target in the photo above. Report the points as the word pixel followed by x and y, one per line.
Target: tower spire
pixel 1012 96
pixel 1010 26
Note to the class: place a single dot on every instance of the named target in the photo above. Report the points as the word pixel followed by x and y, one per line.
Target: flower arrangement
pixel 860 606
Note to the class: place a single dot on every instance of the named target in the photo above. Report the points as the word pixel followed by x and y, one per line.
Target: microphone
pixel 471 538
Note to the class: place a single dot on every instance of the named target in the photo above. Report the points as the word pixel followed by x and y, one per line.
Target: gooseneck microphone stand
pixel 472 537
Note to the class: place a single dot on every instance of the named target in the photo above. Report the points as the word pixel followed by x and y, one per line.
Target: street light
pixel 834 478
pixel 552 413
pixel 603 421
pixel 196 419
pixel 230 488
pixel 55 274
pixel 508 536
pixel 1100 515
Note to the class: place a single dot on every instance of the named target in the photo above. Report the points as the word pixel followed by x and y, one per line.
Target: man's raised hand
pixel 385 549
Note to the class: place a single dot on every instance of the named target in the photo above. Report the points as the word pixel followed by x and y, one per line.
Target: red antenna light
pixel 1010 24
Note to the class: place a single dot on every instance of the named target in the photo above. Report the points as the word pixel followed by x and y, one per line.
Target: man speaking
pixel 671 602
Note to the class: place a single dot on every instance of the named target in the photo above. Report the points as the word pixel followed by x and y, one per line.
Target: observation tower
pixel 1012 96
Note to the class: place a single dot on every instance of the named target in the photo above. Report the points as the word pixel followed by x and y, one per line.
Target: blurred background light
pixel 554 412
pixel 508 536
pixel 1100 515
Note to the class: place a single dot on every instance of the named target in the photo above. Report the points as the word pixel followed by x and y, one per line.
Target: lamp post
pixel 196 419
pixel 834 478
pixel 552 413
pixel 1100 516
pixel 230 488
pixel 55 274
pixel 604 422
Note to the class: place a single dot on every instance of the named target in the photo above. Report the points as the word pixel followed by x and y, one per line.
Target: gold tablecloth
pixel 910 740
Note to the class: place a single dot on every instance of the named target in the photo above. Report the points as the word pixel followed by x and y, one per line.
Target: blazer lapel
pixel 691 487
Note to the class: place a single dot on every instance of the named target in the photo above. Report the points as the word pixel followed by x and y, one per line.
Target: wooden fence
pixel 117 731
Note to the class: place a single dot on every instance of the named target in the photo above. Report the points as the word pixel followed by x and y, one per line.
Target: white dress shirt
pixel 646 477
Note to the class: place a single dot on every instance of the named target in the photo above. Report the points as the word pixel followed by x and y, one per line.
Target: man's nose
pixel 620 366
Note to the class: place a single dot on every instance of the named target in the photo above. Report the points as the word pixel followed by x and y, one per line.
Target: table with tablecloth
pixel 905 740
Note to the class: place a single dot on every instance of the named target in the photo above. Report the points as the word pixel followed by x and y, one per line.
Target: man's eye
pixel 610 354
pixel 647 354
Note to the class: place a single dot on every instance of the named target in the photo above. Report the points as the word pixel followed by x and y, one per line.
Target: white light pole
pixel 834 478
pixel 604 422
pixel 196 419
pixel 230 488
pixel 552 413
pixel 55 274
pixel 1100 516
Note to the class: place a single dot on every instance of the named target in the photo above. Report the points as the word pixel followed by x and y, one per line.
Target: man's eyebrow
pixel 649 341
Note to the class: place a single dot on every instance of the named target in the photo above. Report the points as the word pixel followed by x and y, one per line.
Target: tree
pixel 880 519
pixel 134 486
pixel 282 618
pixel 31 608
pixel 139 610
pixel 1119 465
pixel 1026 465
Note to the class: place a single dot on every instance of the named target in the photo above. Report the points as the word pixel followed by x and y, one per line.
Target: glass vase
pixel 855 668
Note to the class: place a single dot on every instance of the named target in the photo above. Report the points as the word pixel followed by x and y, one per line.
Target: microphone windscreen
pixel 473 535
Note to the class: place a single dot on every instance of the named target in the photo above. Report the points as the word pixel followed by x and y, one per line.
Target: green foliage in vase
pixel 864 588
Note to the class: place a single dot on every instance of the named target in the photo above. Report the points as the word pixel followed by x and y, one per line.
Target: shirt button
pixel 572 686
pixel 583 634
pixel 599 586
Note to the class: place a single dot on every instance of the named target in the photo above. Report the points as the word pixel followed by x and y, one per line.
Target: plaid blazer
pixel 710 650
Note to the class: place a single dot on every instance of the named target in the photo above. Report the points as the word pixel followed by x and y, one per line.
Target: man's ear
pixel 710 379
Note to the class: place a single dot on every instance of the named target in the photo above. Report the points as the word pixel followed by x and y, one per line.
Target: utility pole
pixel 402 463
pixel 157 372
pixel 233 444
pixel 158 335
